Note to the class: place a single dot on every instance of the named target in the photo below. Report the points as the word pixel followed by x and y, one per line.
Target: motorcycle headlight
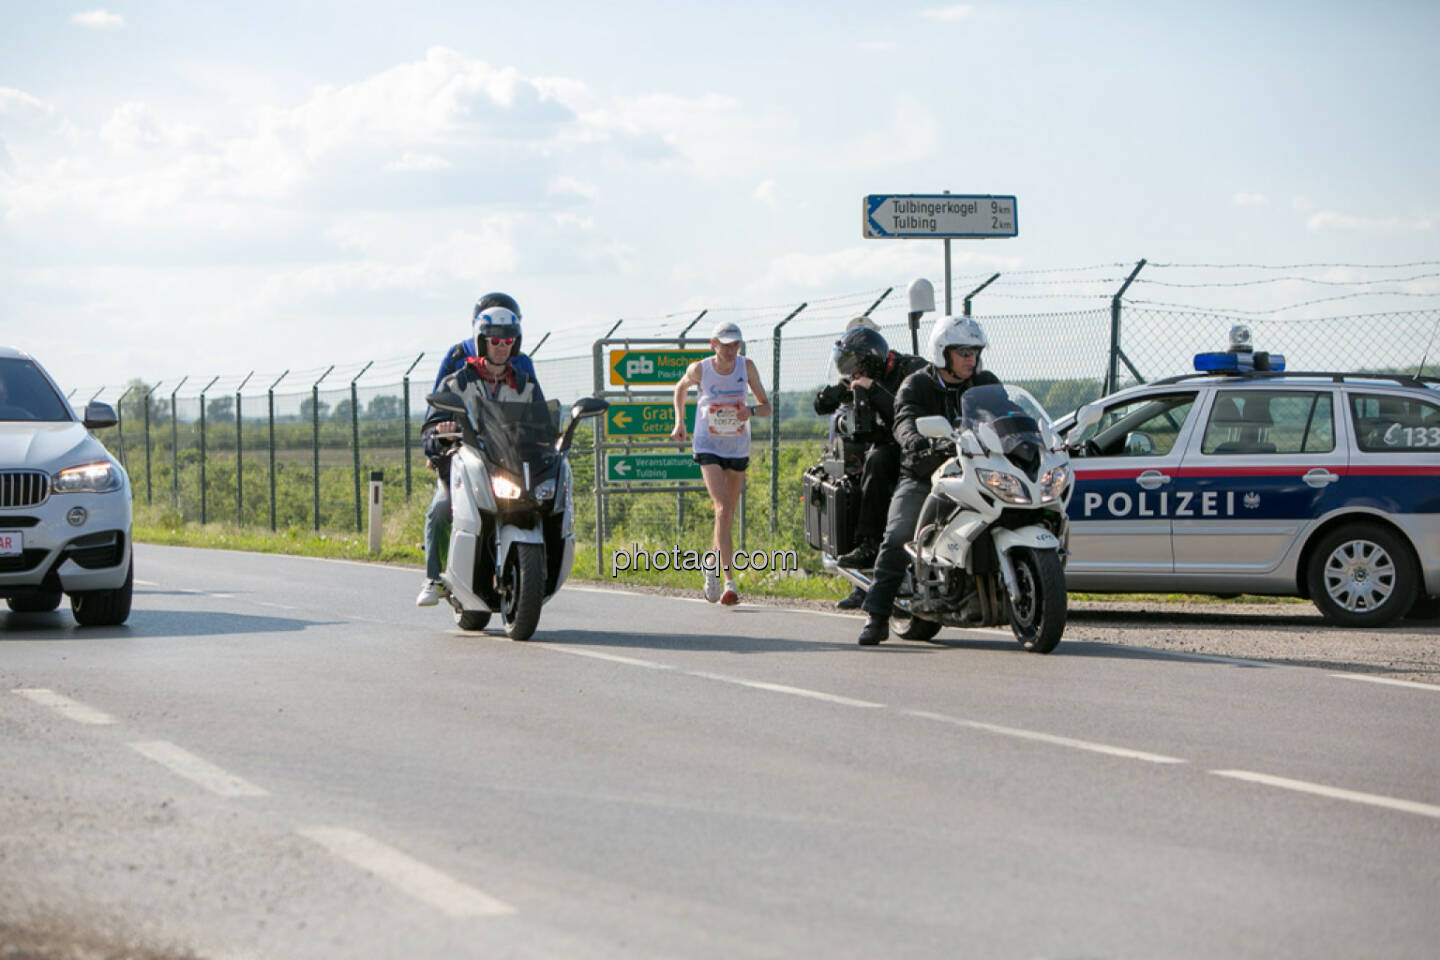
pixel 1006 486
pixel 505 488
pixel 546 490
pixel 1053 483
pixel 101 477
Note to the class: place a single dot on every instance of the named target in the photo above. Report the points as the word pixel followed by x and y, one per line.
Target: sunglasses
pixel 966 352
pixel 502 341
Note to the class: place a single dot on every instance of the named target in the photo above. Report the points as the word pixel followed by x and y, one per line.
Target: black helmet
pixel 861 351
pixel 496 300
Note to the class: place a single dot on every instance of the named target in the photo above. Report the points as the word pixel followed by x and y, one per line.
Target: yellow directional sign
pixel 654 420
pixel 651 366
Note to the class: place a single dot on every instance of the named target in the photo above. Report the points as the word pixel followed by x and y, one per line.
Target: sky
pixel 209 189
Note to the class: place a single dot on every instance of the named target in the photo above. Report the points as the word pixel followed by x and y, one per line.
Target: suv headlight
pixel 101 477
pixel 505 488
pixel 1053 483
pixel 1004 485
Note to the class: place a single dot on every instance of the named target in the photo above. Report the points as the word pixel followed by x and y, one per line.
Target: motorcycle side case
pixel 838 503
pixel 811 487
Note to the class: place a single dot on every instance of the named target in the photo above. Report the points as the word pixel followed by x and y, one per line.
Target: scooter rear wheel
pixel 472 619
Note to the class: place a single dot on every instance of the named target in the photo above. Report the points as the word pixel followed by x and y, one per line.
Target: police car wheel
pixel 1362 575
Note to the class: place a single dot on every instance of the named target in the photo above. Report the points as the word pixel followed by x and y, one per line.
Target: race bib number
pixel 725 420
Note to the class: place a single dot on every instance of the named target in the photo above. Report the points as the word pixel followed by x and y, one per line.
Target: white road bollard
pixel 377 478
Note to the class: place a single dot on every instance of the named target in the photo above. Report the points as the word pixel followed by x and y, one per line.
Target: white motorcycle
pixel 512 538
pixel 990 543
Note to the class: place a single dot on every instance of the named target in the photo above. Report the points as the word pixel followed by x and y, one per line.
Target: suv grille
pixel 23 488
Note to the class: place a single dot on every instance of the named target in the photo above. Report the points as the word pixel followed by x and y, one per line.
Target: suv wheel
pixel 41 602
pixel 104 608
pixel 1362 575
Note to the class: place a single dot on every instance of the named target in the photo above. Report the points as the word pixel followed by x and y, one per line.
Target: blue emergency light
pixel 1239 362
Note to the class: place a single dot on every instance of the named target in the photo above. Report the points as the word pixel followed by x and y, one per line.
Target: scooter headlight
pixel 546 490
pixel 1006 486
pixel 1053 483
pixel 505 488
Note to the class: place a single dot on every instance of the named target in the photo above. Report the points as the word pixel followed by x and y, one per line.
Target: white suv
pixel 65 502
pixel 1317 485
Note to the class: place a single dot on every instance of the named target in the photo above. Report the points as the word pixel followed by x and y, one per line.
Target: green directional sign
pixel 629 467
pixel 651 366
pixel 645 419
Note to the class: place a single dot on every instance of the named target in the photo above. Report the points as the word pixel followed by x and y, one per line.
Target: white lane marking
pixel 782 688
pixel 277 606
pixel 612 657
pixel 71 709
pixel 348 616
pixel 1050 738
pixel 224 596
pixel 1386 680
pixel 145 583
pixel 192 768
pixel 422 882
pixel 1336 793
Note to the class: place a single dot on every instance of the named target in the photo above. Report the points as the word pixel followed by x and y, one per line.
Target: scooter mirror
pixel 933 427
pixel 447 400
pixel 588 407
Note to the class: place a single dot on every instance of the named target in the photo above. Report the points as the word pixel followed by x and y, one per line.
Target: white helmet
pixel 954 332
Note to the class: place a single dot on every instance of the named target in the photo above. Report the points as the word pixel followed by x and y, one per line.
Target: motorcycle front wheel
pixel 1037 616
pixel 522 589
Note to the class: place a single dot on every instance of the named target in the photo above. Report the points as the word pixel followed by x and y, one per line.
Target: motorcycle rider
pixel 495 346
pixel 954 366
pixel 870 376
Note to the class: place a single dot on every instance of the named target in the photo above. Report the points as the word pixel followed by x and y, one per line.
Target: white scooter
pixel 990 543
pixel 512 538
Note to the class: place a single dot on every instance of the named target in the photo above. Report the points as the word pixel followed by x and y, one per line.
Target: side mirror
pixel 937 427
pixel 99 415
pixel 447 400
pixel 584 408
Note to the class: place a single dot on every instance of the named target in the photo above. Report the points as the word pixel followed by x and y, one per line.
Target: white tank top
pixel 718 427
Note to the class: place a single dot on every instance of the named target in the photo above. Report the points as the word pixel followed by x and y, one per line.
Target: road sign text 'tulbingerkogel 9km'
pixel 939 216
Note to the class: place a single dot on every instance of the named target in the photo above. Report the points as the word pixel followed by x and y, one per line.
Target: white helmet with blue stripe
pixel 497 315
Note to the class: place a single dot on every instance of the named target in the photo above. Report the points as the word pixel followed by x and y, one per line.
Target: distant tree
pixel 221 409
pixel 1066 395
pixel 342 412
pixel 132 408
pixel 307 409
pixel 384 408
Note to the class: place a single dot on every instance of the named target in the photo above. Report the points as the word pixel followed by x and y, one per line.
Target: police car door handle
pixel 1152 479
pixel 1319 477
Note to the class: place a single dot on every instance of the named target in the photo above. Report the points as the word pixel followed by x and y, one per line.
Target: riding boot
pixel 853 601
pixel 877 628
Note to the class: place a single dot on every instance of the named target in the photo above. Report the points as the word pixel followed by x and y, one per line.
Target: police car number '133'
pixel 1182 503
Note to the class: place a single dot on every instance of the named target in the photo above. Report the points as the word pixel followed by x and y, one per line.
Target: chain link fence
pixel 296 452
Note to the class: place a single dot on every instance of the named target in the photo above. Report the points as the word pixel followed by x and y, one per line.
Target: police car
pixel 1246 478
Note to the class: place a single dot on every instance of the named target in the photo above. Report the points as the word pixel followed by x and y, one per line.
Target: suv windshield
pixel 25 394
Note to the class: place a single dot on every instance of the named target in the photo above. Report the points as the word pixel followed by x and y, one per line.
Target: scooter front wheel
pixel 523 589
pixel 1037 615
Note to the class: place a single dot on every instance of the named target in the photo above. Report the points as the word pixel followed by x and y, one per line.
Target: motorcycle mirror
pixel 447 400
pixel 588 407
pixel 937 427
pixel 1086 417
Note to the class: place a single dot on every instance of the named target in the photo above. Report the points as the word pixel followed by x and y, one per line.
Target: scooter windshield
pixel 516 433
pixel 1012 413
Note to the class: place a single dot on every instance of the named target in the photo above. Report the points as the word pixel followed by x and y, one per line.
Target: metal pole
pixel 315 442
pixel 775 424
pixel 613 329
pixel 691 324
pixel 120 425
pixel 680 496
pixel 536 349
pixel 149 497
pixel 971 295
pixel 947 276
pixel 878 300
pixel 598 371
pixel 1112 376
pixel 405 417
pixel 240 452
pixel 175 448
pixel 95 394
pixel 355 438
pixel 203 516
pixel 270 394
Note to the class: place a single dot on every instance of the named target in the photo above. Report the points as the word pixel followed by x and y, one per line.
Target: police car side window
pixel 1145 427
pixel 1390 424
pixel 1251 422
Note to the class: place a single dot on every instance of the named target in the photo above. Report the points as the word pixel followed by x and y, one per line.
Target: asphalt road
pixel 281 757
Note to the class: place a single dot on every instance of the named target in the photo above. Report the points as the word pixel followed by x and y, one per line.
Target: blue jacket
pixel 455 357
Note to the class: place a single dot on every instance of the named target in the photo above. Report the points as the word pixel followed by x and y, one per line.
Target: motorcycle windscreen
pixel 1014 421
pixel 516 433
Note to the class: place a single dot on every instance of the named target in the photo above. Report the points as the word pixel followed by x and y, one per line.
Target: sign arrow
pixel 623 468
pixel 874 202
pixel 621 419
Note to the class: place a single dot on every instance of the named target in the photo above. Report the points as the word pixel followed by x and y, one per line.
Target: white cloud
pixel 1249 200
pixel 913 134
pixel 950 14
pixel 877 46
pixel 17 102
pixel 1302 204
pixel 412 162
pixel 98 20
pixel 765 193
pixel 563 186
pixel 1331 220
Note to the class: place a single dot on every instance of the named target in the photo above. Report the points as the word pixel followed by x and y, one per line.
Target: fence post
pixel 240 452
pixel 405 404
pixel 536 349
pixel 355 438
pixel 971 295
pixel 315 440
pixel 175 449
pixel 775 423
pixel 203 491
pixel 120 426
pixel 149 490
pixel 1112 373
pixel 680 497
pixel 271 397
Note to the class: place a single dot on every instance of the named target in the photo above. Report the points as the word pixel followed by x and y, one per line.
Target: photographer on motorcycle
pixel 870 377
pixel 497 365
pixel 954 366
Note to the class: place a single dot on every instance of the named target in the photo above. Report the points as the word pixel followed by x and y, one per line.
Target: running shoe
pixel 712 585
pixel 431 594
pixel 730 597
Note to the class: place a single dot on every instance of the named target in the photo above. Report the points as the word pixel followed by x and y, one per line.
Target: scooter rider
pixel 496 316
pixel 871 375
pixel 954 354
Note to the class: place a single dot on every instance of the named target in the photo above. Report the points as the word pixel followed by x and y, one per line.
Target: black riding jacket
pixel 874 406
pixel 924 394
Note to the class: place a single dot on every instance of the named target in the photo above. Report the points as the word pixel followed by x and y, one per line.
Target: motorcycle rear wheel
pixel 905 627
pixel 522 590
pixel 1038 619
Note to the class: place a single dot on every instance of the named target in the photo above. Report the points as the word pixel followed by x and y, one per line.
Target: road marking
pixel 782 688
pixel 197 771
pixel 612 657
pixel 361 619
pixel 277 606
pixel 1386 680
pixel 1050 738
pixel 422 882
pixel 145 583
pixel 224 596
pixel 71 709
pixel 1337 793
